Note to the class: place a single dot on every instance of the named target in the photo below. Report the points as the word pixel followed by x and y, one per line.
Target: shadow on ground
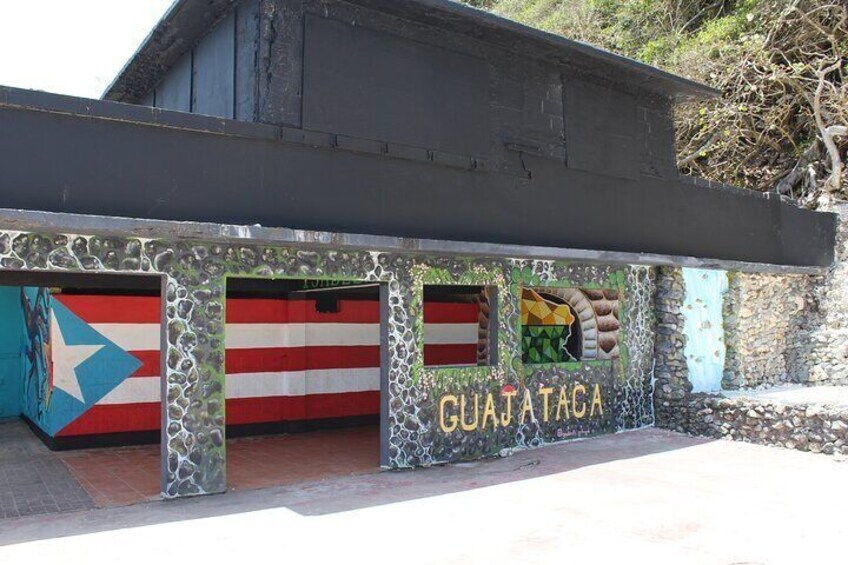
pixel 352 492
pixel 33 480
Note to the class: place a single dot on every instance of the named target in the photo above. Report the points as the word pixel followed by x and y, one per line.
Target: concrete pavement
pixel 642 497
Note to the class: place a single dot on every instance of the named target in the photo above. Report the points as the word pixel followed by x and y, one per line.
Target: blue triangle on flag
pixel 98 375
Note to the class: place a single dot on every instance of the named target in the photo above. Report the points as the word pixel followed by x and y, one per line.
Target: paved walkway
pixel 33 479
pixel 129 475
pixel 642 497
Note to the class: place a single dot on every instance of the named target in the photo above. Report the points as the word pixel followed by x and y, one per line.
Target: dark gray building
pixel 410 153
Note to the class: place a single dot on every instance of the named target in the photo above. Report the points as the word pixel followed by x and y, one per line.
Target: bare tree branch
pixel 790 181
pixel 837 166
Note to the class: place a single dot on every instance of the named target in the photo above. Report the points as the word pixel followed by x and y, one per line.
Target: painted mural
pixel 287 361
pixel 704 327
pixel 569 324
pixel 35 307
pixel 549 332
pixel 70 366
pixel 195 332
pixel 456 331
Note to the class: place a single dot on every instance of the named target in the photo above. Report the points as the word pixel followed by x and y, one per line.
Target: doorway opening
pixel 306 365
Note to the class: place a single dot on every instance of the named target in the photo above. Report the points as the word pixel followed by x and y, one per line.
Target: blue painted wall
pixel 704 327
pixel 11 344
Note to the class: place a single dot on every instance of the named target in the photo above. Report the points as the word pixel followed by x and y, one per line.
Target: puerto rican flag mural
pixel 82 368
pixel 285 360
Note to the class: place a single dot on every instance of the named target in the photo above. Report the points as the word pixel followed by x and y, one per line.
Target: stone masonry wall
pixel 806 427
pixel 829 337
pixel 778 329
pixel 672 386
pixel 767 326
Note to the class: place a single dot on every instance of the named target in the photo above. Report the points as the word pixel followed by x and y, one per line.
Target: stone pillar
pixel 672 386
pixel 194 425
pixel 829 358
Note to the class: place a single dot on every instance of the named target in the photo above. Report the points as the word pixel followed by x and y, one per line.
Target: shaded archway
pixel 306 376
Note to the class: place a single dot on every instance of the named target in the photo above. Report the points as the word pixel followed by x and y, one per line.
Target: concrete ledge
pixel 36 221
pixel 38 101
pixel 814 427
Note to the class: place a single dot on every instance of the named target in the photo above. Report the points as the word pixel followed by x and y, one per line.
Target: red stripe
pixel 97 309
pixel 115 418
pixel 303 358
pixel 149 363
pixel 259 311
pixel 278 311
pixel 101 309
pixel 310 407
pixel 453 354
pixel 341 405
pixel 268 409
pixel 451 313
pixel 280 359
pixel 113 309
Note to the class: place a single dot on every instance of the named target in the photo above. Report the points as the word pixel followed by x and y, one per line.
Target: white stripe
pixel 253 385
pixel 145 337
pixel 451 334
pixel 248 336
pixel 140 390
pixel 131 337
pixel 136 390
pixel 336 381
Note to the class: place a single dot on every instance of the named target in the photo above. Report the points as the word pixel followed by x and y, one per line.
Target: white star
pixel 66 359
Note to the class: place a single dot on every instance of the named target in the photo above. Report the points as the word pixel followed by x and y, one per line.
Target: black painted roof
pixel 187 21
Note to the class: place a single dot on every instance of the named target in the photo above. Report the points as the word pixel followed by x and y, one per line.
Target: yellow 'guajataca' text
pixel 493 410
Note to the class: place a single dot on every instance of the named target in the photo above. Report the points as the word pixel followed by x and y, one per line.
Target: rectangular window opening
pixel 460 326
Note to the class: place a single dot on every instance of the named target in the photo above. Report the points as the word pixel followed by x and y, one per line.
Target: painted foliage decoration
pixel 548 402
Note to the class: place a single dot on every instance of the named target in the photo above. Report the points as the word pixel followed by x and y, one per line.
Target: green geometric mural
pixel 545 344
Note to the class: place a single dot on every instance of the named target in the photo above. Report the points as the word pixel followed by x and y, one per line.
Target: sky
pixel 71 47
